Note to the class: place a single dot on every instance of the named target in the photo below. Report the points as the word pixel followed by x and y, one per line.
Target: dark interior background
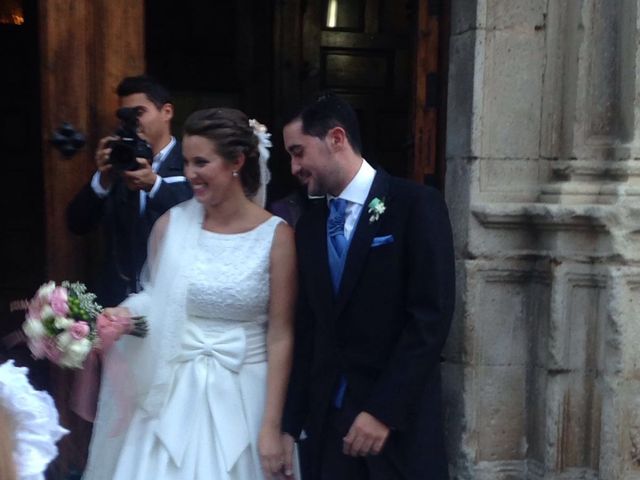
pixel 22 241
pixel 214 53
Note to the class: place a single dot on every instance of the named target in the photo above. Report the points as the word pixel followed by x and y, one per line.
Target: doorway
pixel 262 56
pixel 265 57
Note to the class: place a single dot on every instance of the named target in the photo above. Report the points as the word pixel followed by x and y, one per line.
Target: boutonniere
pixel 376 208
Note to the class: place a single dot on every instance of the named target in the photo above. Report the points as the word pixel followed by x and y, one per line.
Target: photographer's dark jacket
pixel 125 228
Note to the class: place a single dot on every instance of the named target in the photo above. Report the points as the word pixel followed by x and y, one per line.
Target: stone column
pixel 543 183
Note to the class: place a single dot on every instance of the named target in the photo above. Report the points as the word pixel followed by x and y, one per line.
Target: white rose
pixel 64 340
pixel 46 290
pixel 69 362
pixel 76 352
pixel 63 323
pixel 47 312
pixel 33 328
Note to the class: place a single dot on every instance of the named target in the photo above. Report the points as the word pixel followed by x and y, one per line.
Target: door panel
pixel 352 49
pixel 86 48
pixel 383 56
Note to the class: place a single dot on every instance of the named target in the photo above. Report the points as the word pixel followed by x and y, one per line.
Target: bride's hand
pixel 117 312
pixel 271 451
pixel 110 328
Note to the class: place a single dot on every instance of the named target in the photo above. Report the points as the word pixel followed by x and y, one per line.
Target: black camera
pixel 129 146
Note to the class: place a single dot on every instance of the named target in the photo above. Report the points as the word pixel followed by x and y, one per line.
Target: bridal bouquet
pixel 64 323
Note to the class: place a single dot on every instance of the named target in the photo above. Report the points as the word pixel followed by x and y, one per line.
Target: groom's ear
pixel 337 138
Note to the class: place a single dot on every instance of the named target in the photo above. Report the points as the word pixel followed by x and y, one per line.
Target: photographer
pixel 129 192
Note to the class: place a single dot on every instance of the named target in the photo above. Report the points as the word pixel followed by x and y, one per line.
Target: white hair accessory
pixel 35 419
pixel 264 143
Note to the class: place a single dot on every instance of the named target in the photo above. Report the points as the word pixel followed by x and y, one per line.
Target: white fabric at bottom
pixel 192 437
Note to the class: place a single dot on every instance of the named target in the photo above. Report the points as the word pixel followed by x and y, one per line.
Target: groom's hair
pixel 327 111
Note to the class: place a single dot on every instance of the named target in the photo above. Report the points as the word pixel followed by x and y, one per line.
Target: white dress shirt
pixel 356 194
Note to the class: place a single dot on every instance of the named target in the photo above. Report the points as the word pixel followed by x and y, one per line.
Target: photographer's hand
pixel 102 162
pixel 144 178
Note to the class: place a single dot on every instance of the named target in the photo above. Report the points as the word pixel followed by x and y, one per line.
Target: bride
pixel 205 389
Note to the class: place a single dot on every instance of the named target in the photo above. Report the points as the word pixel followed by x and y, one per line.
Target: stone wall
pixel 543 183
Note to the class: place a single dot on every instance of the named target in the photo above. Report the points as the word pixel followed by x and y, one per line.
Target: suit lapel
pixel 361 241
pixel 172 165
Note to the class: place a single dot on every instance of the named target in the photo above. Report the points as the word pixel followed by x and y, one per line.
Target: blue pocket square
pixel 377 241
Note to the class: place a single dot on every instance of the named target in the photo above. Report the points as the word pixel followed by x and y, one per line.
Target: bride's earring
pixel 234 173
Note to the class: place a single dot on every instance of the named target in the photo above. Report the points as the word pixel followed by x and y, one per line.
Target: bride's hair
pixel 230 132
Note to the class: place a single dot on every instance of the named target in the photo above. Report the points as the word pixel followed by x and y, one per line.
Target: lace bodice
pixel 229 278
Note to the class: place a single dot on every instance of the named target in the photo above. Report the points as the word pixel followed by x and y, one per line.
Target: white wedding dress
pixel 210 420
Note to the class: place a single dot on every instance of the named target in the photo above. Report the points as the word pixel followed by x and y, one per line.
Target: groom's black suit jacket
pixel 384 330
pixel 126 231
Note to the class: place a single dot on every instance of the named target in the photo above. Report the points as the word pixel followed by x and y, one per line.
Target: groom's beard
pixel 322 183
pixel 314 186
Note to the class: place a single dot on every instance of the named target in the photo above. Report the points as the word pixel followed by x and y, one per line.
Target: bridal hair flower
pixel 34 419
pixel 264 143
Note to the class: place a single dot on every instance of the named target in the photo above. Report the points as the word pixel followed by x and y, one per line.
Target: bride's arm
pixel 279 345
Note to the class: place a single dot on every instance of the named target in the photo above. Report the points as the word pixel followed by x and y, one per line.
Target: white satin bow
pixel 213 374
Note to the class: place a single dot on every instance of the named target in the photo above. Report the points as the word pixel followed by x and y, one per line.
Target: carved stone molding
pixel 543 216
pixel 544 189
pixel 591 82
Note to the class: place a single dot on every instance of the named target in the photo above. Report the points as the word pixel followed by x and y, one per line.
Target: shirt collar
pixel 161 155
pixel 358 188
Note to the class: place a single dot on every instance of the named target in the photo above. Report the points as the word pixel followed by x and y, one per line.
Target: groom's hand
pixel 366 436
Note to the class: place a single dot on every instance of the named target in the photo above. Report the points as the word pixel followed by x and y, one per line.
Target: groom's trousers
pixel 335 465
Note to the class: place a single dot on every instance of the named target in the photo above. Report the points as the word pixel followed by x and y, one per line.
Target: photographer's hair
pixel 228 129
pixel 328 111
pixel 155 92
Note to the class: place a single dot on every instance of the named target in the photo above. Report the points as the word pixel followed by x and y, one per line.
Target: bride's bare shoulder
pixel 161 225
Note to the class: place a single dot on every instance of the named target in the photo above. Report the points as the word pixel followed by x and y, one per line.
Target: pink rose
pixel 79 330
pixel 59 293
pixel 59 301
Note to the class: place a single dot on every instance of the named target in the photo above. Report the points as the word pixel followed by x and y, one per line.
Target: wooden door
pixel 361 49
pixel 385 58
pixel 429 102
pixel 86 48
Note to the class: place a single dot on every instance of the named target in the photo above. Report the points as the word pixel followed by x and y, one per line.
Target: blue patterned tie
pixel 337 242
pixel 335 225
pixel 337 251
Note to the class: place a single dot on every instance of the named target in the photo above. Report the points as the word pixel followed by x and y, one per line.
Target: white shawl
pixel 163 301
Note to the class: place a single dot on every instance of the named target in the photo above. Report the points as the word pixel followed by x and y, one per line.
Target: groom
pixel 376 275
